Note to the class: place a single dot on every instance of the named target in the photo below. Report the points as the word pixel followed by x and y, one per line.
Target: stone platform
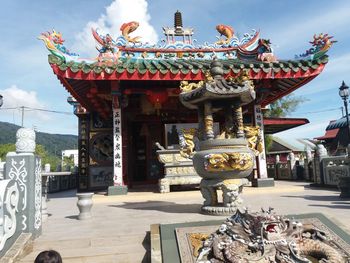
pixel 174 243
pixel 119 228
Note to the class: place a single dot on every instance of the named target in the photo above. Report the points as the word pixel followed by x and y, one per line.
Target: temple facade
pixel 127 97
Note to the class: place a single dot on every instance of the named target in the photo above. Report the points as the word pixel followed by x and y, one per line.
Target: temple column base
pixel 117 190
pixel 263 182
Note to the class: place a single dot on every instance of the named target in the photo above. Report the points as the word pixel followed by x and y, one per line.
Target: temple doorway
pixel 143 164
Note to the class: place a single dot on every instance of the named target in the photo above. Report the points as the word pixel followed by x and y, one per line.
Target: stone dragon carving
pixel 196 240
pixel 265 237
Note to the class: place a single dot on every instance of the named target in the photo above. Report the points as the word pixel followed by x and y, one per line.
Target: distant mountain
pixel 53 143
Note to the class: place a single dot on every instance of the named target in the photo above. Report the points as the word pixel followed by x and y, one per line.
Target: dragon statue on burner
pixel 186 140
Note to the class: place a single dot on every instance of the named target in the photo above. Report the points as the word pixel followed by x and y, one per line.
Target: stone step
pixel 90 242
pixel 115 258
pixel 97 249
pixel 22 246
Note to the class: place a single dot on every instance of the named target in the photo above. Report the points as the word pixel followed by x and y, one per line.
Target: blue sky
pixel 27 79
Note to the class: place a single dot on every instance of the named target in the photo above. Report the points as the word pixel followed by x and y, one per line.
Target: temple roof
pixel 273 80
pixel 330 134
pixel 336 124
pixel 178 57
pixel 275 125
pixel 181 69
pixel 217 88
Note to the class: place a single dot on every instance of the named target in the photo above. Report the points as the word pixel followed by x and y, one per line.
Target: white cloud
pixel 332 20
pixel 117 13
pixel 15 97
pixel 338 65
pixel 335 71
pixel 311 130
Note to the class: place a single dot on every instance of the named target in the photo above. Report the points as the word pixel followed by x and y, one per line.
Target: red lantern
pixel 157 98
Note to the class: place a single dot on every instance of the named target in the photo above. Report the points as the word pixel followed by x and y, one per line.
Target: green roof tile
pixel 183 66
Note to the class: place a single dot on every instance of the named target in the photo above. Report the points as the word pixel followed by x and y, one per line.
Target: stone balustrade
pixel 9 220
pixel 334 167
pixel 20 192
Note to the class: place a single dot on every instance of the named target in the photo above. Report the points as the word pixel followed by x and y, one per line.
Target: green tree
pixel 68 161
pixel 5 148
pixel 284 106
pixel 46 157
pixel 39 150
pixel 281 108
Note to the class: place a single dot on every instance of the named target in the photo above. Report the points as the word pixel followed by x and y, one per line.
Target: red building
pixel 124 97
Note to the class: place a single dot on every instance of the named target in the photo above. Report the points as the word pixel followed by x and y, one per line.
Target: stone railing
pixel 60 181
pixel 20 192
pixel 280 171
pixel 9 204
pixel 332 168
pixel 2 167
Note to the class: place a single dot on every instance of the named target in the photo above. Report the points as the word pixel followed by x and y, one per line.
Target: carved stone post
pixel 201 126
pixel 229 127
pixel 261 166
pixel 292 161
pixel 238 116
pixel 9 202
pixel 321 152
pixel 24 167
pixel 2 166
pixel 44 183
pixel 208 121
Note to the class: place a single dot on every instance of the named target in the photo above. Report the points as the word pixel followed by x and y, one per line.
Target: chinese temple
pixel 127 97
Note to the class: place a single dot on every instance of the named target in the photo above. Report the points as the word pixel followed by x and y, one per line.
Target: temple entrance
pixel 143 164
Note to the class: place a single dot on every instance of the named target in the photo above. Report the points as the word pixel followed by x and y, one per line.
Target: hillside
pixel 53 143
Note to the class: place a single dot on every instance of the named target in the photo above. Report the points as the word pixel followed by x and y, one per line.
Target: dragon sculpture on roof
pixel 321 43
pixel 54 43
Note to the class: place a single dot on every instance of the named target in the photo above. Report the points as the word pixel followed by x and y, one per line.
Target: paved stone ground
pixel 119 229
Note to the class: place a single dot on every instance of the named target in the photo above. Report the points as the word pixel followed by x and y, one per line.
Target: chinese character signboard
pixel 83 152
pixel 262 158
pixel 117 144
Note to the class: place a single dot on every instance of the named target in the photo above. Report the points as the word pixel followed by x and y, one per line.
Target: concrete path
pixel 119 229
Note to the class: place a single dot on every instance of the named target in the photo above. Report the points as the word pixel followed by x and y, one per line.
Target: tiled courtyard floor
pixel 118 230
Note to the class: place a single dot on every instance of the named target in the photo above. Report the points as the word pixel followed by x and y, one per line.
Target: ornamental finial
pixel 216 69
pixel 25 140
pixel 178 20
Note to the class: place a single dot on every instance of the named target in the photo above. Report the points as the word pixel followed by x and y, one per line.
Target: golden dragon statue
pixel 187 144
pixel 253 136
